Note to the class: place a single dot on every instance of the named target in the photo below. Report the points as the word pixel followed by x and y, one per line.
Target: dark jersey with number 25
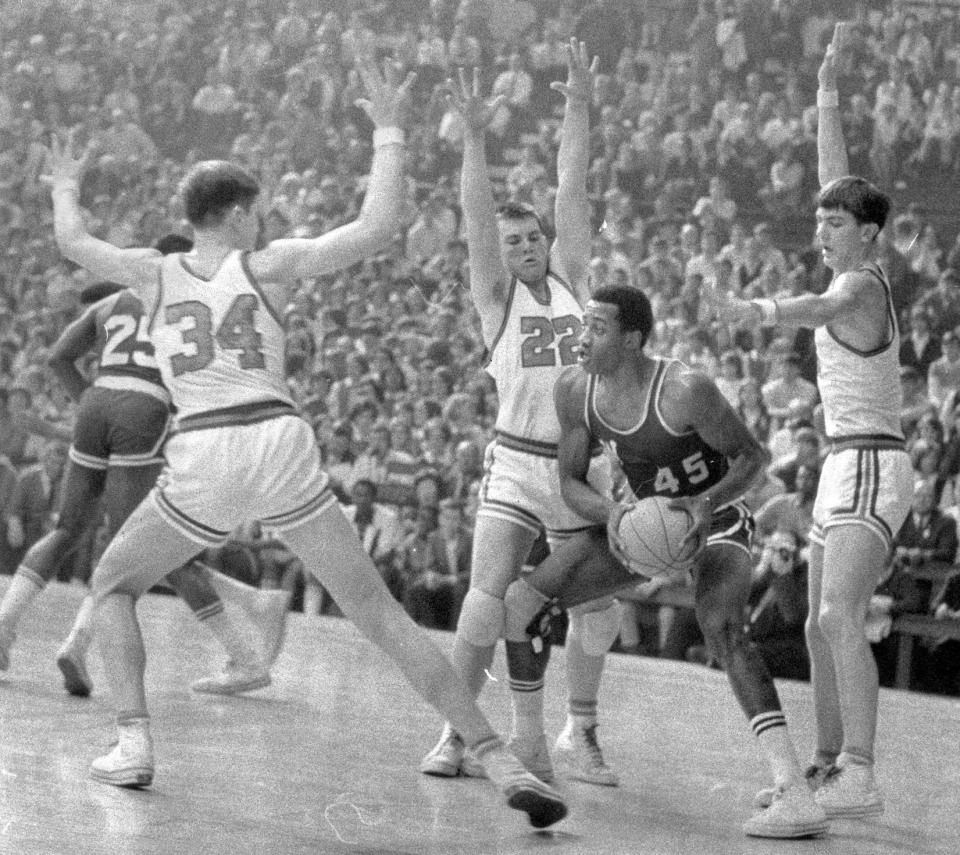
pixel 656 460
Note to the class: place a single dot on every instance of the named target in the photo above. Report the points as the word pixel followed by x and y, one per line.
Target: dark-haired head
pixel 634 313
pixel 172 243
pixel 865 202
pixel 212 187
pixel 98 291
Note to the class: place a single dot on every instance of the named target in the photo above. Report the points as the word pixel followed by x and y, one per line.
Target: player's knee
pixel 522 602
pixel 45 555
pixel 833 621
pixel 596 628
pixel 723 634
pixel 481 618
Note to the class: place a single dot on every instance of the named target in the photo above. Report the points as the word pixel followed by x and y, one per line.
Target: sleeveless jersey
pixel 218 343
pixel 655 460
pixel 860 389
pixel 536 341
pixel 127 359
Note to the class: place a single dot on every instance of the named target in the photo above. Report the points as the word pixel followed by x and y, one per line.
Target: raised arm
pixel 379 216
pixel 571 252
pixel 831 150
pixel 76 340
pixel 489 279
pixel 130 267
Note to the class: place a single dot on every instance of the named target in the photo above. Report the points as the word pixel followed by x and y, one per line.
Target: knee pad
pixel 596 627
pixel 522 602
pixel 481 618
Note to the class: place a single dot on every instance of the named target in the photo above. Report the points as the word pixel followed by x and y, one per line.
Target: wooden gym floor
pixel 324 761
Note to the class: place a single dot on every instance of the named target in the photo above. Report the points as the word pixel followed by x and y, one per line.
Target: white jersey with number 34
pixel 217 342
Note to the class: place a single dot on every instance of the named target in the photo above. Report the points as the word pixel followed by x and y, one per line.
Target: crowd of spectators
pixel 703 168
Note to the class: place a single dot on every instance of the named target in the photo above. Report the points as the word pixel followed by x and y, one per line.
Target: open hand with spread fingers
pixel 464 97
pixel 581 73
pixel 387 100
pixel 63 167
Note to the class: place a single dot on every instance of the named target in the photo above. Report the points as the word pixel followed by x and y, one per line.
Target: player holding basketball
pixel 115 459
pixel 674 436
pixel 866 484
pixel 240 450
pixel 530 298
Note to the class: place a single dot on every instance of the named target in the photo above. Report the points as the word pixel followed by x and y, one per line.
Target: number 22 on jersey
pixel 538 350
pixel 237 332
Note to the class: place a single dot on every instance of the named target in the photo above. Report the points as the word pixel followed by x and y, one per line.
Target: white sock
pixel 24 587
pixel 82 629
pixel 770 728
pixel 527 708
pixel 238 650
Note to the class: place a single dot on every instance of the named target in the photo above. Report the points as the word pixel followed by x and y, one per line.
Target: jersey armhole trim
pixel 508 304
pixel 245 266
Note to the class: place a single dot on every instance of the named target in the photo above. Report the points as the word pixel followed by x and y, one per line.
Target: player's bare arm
pixel 489 279
pixel 287 260
pixel 692 402
pixel 832 160
pixel 135 268
pixel 571 251
pixel 76 340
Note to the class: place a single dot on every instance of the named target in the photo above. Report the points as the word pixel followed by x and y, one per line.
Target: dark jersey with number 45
pixel 655 460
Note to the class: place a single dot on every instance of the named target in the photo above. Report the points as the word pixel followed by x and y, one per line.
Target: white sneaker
pixel 543 805
pixel 578 753
pixel 71 662
pixel 792 812
pixel 471 767
pixel 532 752
pixel 446 757
pixel 7 637
pixel 233 680
pixel 851 792
pixel 268 613
pixel 815 776
pixel 130 763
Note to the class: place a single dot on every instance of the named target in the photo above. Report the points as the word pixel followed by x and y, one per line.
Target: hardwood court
pixel 324 761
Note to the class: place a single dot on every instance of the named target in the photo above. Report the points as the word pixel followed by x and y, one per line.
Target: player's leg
pixel 721 591
pixel 328 547
pixel 823 675
pixel 124 572
pixel 853 558
pixel 82 487
pixel 500 547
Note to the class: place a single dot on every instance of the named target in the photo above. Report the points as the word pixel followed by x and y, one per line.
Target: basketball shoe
pixel 577 753
pixel 71 660
pixel 792 812
pixel 851 792
pixel 130 763
pixel 815 776
pixel 234 679
pixel 543 805
pixel 450 757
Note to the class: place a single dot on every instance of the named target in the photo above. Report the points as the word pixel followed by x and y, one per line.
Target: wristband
pixel 769 311
pixel 68 186
pixel 828 98
pixel 388 136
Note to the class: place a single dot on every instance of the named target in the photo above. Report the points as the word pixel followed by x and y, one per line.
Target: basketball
pixel 651 532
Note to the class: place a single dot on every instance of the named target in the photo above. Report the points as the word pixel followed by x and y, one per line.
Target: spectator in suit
pixel 941 672
pixel 434 595
pixel 378 528
pixel 35 499
pixel 921 348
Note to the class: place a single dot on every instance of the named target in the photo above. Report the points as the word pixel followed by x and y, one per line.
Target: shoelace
pixel 593 747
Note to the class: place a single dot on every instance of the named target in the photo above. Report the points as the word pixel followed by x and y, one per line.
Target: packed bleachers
pixel 703 168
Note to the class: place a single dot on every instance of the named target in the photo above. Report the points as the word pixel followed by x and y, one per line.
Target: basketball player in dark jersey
pixel 674 435
pixel 115 458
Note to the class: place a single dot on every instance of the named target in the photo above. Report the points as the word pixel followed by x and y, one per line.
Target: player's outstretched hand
pixel 464 96
pixel 728 309
pixel 581 72
pixel 63 166
pixel 827 75
pixel 387 100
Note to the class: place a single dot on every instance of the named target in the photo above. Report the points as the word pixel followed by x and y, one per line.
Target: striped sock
pixel 770 728
pixel 582 713
pixel 485 745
